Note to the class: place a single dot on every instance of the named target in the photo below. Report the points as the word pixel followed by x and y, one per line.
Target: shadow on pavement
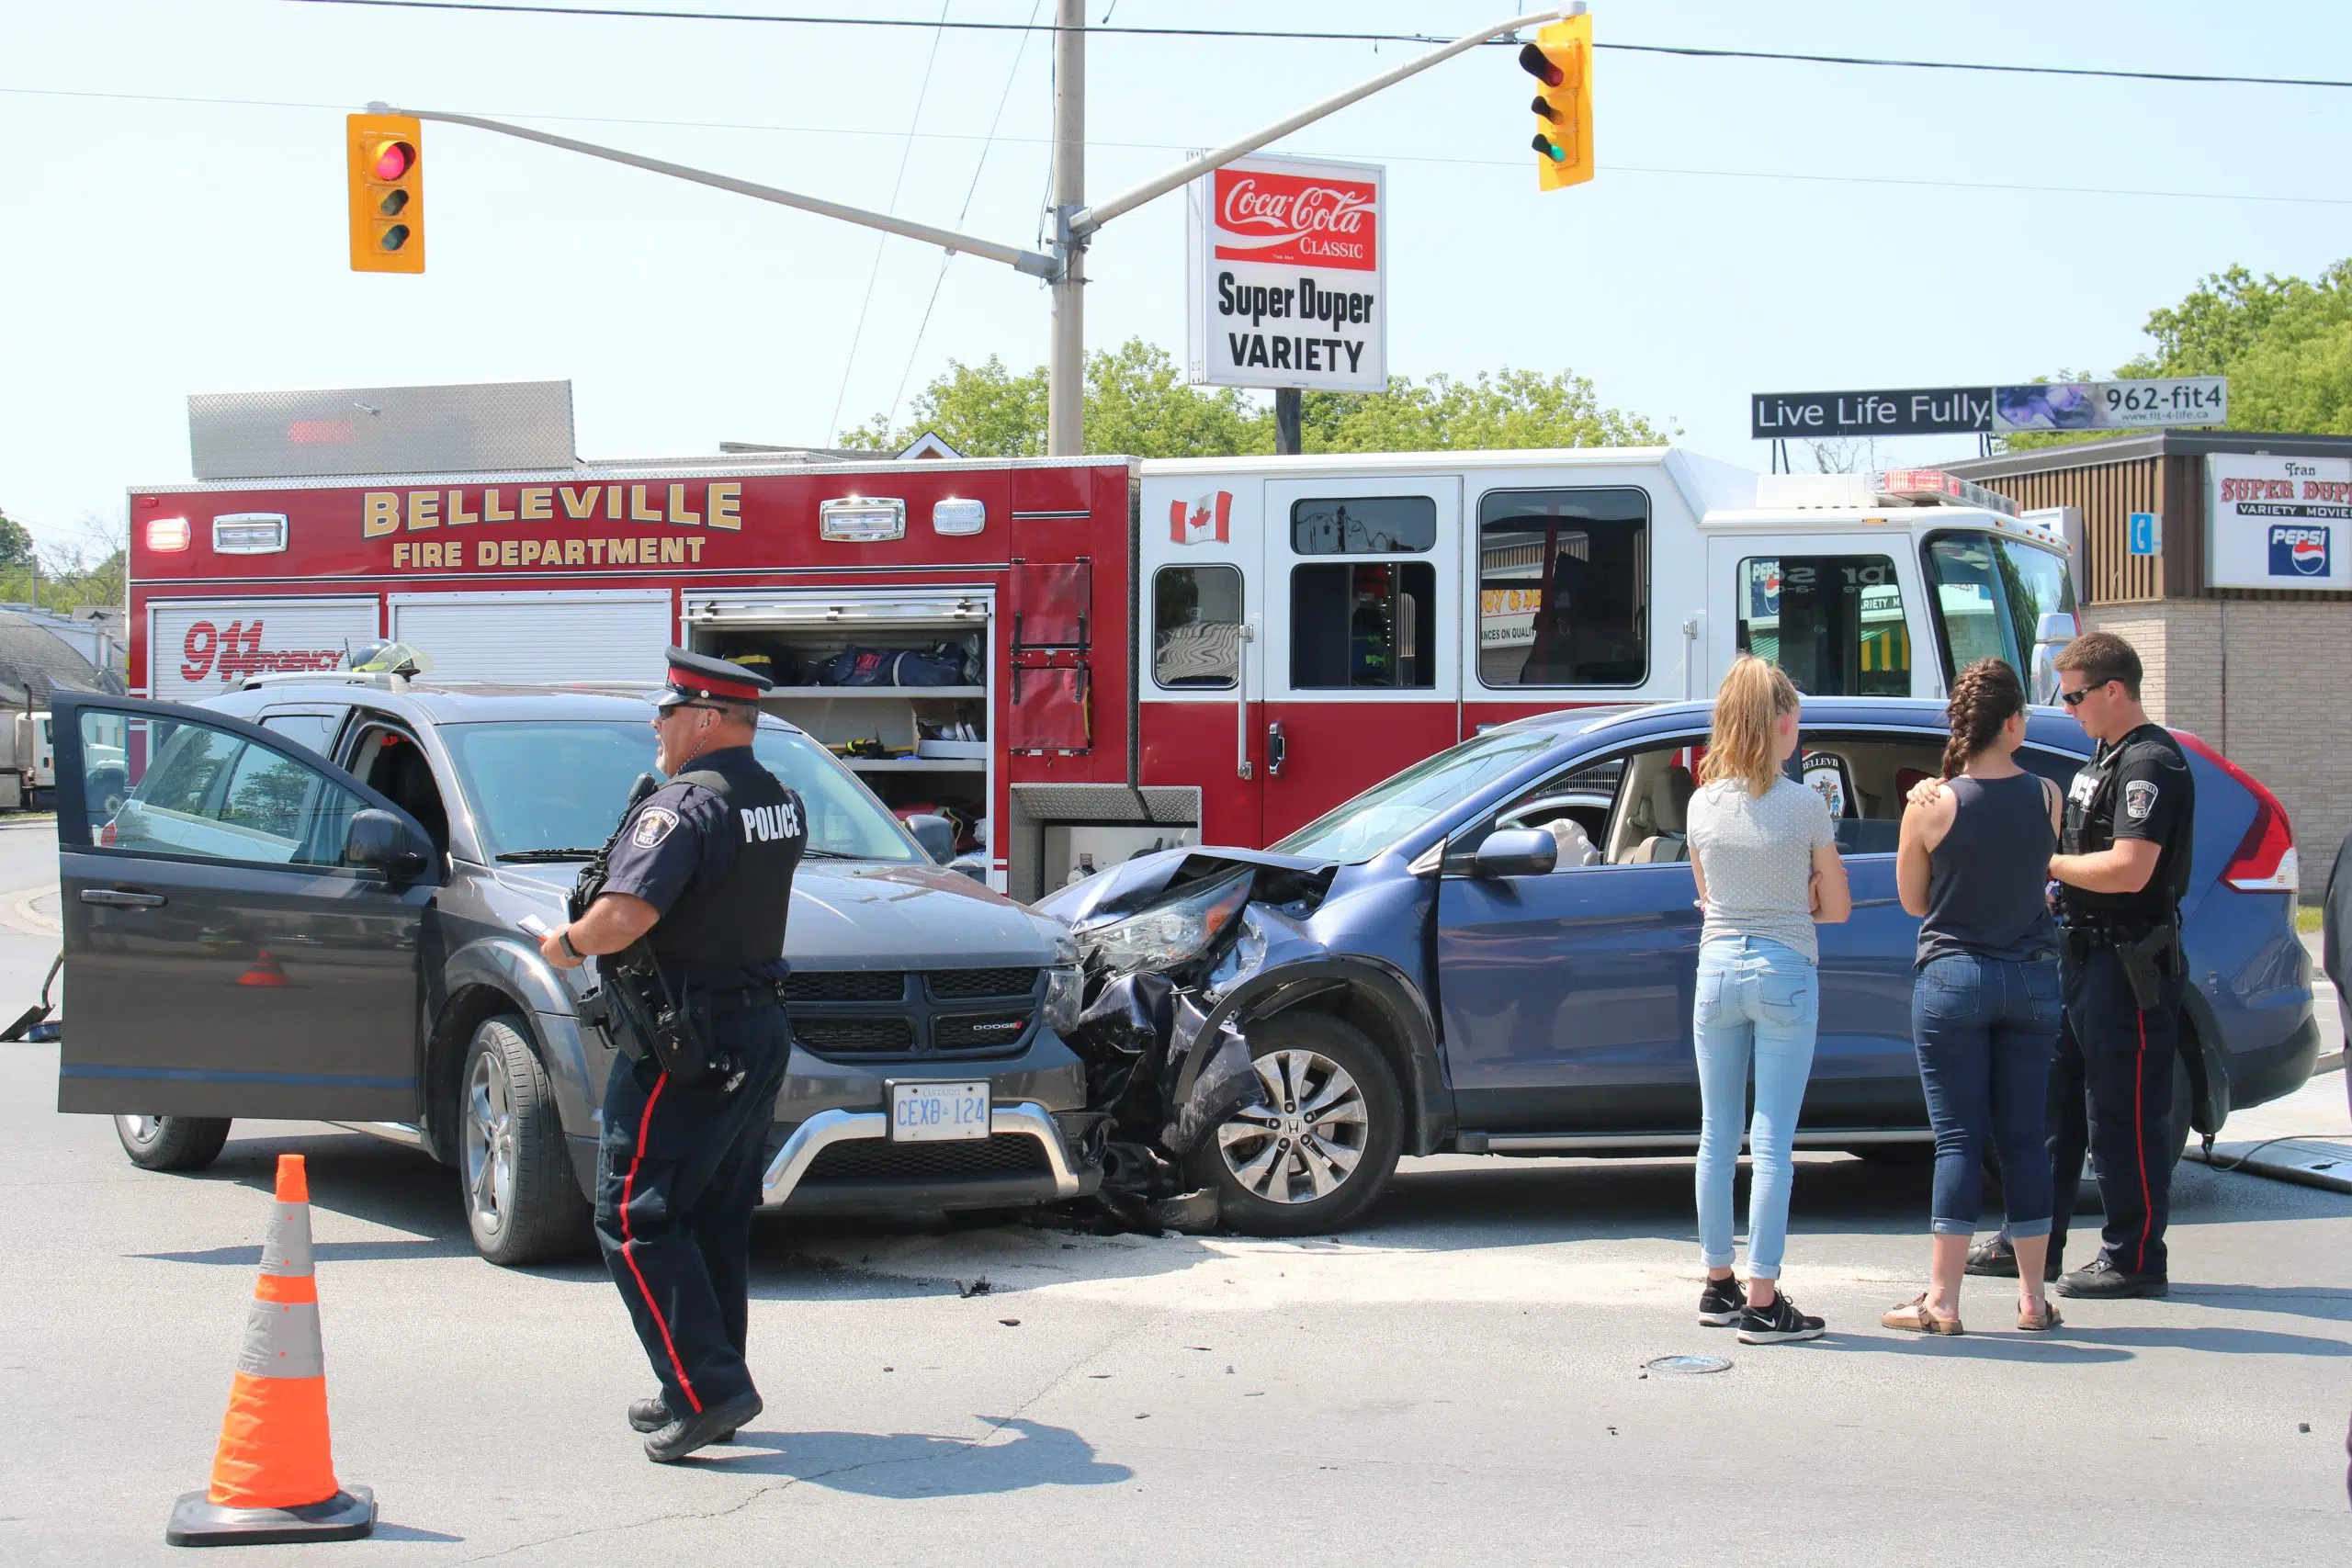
pixel 1984 1348
pixel 921 1465
pixel 2327 1303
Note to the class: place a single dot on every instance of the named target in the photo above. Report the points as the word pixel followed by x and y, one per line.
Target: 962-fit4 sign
pixel 1286 280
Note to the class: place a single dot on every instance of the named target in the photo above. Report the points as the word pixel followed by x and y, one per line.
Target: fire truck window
pixel 1834 623
pixel 1364 526
pixel 1974 603
pixel 1367 625
pixel 1563 588
pixel 1196 627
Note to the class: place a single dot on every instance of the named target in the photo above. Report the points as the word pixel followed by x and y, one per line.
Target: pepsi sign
pixel 2271 520
pixel 2299 552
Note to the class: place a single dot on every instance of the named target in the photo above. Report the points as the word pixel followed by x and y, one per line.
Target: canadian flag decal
pixel 1209 518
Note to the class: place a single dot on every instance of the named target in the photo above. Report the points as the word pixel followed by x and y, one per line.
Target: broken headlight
pixel 1065 990
pixel 1170 934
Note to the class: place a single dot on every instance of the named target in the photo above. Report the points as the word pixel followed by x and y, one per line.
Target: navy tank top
pixel 1987 876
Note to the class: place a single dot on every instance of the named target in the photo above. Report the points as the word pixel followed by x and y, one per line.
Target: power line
pixel 1683 51
pixel 923 326
pixel 1652 169
pixel 914 123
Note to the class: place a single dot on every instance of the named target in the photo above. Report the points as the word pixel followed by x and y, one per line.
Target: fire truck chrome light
pixel 859 519
pixel 249 533
pixel 956 518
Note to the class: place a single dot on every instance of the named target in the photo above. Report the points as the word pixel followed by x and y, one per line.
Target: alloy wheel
pixel 489 1137
pixel 142 1130
pixel 1305 1141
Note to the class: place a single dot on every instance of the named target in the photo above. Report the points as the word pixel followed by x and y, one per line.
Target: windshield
pixel 1991 594
pixel 1379 817
pixel 558 784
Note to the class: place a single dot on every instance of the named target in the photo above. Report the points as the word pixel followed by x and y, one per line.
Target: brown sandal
pixel 2027 1323
pixel 1914 1316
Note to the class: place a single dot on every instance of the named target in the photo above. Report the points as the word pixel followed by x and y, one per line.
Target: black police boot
pixel 652 1414
pixel 1996 1259
pixel 715 1425
pixel 2100 1279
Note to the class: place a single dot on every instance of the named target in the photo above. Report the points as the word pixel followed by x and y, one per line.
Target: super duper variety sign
pixel 2279 522
pixel 1287 276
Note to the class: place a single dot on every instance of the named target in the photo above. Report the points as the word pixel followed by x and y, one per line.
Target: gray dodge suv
pixel 312 898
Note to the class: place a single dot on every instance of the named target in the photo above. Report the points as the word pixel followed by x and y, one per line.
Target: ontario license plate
pixel 936 1112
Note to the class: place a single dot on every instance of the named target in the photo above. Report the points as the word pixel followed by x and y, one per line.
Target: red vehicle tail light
pixel 106 837
pixel 2266 860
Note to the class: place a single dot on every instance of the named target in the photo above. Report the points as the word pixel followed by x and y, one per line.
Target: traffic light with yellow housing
pixel 383 158
pixel 1561 60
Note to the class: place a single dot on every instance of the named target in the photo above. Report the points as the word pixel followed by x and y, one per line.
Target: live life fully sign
pixel 1285 276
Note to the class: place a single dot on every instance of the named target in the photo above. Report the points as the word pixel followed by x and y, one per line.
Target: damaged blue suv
pixel 1494 950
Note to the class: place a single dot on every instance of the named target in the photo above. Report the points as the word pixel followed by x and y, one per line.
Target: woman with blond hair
pixel 1974 865
pixel 1766 859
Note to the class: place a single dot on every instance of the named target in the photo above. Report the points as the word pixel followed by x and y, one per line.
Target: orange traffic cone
pixel 264 970
pixel 273 1478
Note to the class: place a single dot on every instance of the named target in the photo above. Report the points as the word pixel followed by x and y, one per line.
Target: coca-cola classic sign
pixel 1285 277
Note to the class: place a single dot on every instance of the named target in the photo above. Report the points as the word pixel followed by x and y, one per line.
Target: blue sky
pixel 1754 227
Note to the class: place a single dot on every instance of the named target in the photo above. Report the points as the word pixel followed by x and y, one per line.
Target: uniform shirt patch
pixel 654 824
pixel 2139 799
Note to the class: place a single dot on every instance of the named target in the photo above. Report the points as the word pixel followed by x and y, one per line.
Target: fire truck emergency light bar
pixel 861 520
pixel 1935 485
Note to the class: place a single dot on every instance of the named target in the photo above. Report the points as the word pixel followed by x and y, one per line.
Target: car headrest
pixel 1905 779
pixel 1576 847
pixel 1670 795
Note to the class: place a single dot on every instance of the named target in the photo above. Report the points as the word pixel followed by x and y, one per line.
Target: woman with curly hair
pixel 1974 862
pixel 1764 855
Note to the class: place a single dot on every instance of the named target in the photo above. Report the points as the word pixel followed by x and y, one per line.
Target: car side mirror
pixel 1516 852
pixel 2055 626
pixel 935 834
pixel 380 842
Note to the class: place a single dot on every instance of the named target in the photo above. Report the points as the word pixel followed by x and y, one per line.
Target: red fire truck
pixel 1077 657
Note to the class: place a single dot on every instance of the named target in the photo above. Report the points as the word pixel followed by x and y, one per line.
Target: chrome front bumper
pixel 827 1128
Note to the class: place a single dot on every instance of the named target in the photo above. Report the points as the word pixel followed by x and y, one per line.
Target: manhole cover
pixel 1688 1364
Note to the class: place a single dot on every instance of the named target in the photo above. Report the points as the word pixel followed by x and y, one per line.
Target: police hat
pixel 697 677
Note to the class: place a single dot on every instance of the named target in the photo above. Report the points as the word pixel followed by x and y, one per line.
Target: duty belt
pixel 726 1001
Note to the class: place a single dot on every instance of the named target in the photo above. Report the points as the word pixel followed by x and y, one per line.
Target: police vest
pixel 734 920
pixel 2091 805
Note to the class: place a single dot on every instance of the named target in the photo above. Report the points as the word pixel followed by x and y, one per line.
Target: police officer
pixel 700 874
pixel 2122 866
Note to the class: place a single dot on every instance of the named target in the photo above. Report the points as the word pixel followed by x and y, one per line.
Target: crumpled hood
pixel 1137 883
pixel 853 915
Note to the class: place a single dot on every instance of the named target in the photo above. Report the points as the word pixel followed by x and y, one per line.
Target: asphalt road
pixel 1462 1381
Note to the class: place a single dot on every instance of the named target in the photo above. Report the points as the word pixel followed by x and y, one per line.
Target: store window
pixel 1834 623
pixel 1197 627
pixel 1364 526
pixel 1563 588
pixel 1365 624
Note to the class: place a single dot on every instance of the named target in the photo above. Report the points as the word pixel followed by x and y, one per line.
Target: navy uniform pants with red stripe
pixel 677 1179
pixel 2110 1092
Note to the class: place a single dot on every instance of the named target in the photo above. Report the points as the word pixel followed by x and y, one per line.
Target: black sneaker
pixel 652 1414
pixel 1722 1302
pixel 1996 1261
pixel 1777 1324
pixel 2100 1279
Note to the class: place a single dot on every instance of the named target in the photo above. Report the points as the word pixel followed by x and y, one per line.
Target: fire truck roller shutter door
pixel 594 635
pixel 201 648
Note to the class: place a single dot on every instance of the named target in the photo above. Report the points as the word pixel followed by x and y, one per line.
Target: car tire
pixel 172 1143
pixel 104 794
pixel 515 1176
pixel 1337 1069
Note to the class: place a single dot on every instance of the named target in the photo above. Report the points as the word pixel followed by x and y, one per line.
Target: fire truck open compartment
pixel 924 746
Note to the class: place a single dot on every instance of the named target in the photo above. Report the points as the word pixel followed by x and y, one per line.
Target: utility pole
pixel 1287 433
pixel 1066 353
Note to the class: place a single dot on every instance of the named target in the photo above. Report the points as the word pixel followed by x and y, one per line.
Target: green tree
pixel 16 543
pixel 1137 402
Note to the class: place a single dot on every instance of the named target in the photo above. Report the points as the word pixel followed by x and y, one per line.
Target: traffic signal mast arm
pixel 1034 263
pixel 1084 223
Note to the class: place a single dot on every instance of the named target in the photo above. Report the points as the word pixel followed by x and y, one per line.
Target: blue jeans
pixel 1762 997
pixel 1985 1028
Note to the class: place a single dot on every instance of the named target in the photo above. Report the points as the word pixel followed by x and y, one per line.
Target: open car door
pixel 242 921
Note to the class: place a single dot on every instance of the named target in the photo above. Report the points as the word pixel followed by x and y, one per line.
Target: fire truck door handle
pixel 1277 749
pixel 1241 764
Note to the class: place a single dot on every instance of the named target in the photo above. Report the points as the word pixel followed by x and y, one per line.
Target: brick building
pixel 2238 597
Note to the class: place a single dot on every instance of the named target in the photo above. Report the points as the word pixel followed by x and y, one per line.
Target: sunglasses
pixel 2075 699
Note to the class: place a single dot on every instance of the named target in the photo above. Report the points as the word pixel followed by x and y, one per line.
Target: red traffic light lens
pixel 393 159
pixel 1536 64
pixel 394 237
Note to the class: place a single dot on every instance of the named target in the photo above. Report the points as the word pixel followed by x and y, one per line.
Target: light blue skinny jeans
pixel 1759 998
